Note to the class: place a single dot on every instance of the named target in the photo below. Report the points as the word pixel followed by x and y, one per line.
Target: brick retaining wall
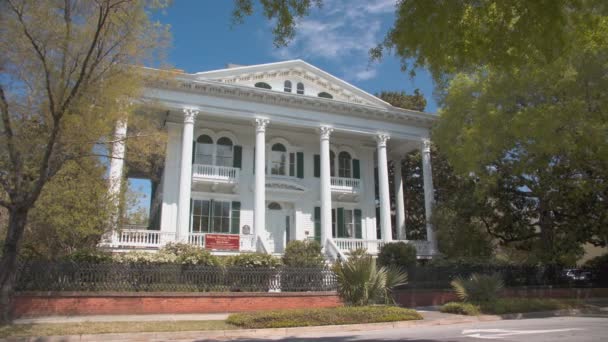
pixel 32 304
pixel 427 297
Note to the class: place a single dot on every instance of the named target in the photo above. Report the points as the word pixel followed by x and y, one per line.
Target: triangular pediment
pixel 314 80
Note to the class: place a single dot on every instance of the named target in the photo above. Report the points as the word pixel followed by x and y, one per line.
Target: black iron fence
pixel 69 276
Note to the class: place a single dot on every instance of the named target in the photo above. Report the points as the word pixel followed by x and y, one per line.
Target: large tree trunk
pixel 8 263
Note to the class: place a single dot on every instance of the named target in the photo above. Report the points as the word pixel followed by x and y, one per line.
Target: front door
pixel 278 222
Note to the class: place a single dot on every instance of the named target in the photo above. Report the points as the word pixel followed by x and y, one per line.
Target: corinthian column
pixel 385 202
pixel 259 213
pixel 325 132
pixel 399 201
pixel 428 192
pixel 185 175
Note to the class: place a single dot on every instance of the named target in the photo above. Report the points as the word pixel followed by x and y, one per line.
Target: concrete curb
pixel 287 332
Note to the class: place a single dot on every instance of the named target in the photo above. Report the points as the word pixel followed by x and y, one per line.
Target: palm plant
pixel 361 282
pixel 478 288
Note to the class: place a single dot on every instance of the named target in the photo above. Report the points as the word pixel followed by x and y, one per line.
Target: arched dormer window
pixel 300 88
pixel 325 95
pixel 263 85
pixel 274 206
pixel 278 160
pixel 287 87
pixel 344 165
pixel 204 150
pixel 224 155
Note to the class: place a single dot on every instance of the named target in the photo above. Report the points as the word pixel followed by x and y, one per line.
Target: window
pixel 344 164
pixel 204 150
pixel 263 85
pixel 224 152
pixel 300 88
pixel 278 160
pixel 274 206
pixel 209 216
pixel 287 87
pixel 350 224
pixel 325 95
pixel 332 163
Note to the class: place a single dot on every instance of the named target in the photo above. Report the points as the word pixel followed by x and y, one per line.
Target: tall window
pixel 287 87
pixel 332 163
pixel 349 224
pixel 278 160
pixel 204 150
pixel 344 164
pixel 210 216
pixel 224 152
pixel 300 88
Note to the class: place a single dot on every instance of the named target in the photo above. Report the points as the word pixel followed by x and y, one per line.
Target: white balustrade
pixel 142 238
pixel 197 239
pixel 345 184
pixel 215 173
pixel 423 248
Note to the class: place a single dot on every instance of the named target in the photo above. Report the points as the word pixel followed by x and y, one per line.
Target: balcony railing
pixel 141 238
pixel 423 248
pixel 345 184
pixel 215 173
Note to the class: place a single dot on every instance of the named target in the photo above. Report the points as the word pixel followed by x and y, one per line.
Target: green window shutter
pixel 356 170
pixel 318 223
pixel 317 165
pixel 238 156
pixel 341 228
pixel 193 150
pixel 358 224
pixel 235 223
pixel 300 164
pixel 292 167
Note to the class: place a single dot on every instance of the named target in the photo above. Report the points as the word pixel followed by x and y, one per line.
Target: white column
pixel 185 175
pixel 428 192
pixel 325 132
pixel 259 213
pixel 385 202
pixel 399 201
pixel 117 161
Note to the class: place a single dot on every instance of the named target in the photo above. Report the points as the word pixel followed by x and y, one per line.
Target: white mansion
pixel 261 155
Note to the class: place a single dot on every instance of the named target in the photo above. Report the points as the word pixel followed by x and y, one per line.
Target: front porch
pixel 133 238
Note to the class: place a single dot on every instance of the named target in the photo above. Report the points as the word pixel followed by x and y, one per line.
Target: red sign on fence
pixel 222 242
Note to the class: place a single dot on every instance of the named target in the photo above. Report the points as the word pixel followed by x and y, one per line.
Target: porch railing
pixel 345 184
pixel 423 248
pixel 215 173
pixel 246 242
pixel 142 238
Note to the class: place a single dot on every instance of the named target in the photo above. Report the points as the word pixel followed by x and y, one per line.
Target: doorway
pixel 278 222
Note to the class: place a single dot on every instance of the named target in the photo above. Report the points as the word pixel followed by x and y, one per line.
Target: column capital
pixel 381 139
pixel 260 124
pixel 426 145
pixel 325 132
pixel 190 114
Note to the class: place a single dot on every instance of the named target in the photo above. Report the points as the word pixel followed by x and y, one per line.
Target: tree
pixel 66 78
pixel 402 100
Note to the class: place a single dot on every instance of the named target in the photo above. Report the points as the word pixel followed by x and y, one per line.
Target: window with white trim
pixel 210 216
pixel 278 160
pixel 224 155
pixel 209 153
pixel 350 224
pixel 204 150
pixel 287 86
pixel 300 88
pixel 344 165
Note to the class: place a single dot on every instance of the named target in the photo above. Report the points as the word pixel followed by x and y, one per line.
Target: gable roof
pixel 296 68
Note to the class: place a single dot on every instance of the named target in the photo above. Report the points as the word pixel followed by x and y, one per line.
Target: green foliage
pixel 89 256
pixel 516 305
pixel 598 263
pixel 399 254
pixel 403 100
pixel 460 236
pixel 189 254
pixel 253 260
pixel 315 317
pixel 361 282
pixel 461 309
pixel 478 288
pixel 303 254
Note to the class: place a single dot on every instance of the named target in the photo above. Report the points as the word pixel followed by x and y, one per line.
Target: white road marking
pixel 494 334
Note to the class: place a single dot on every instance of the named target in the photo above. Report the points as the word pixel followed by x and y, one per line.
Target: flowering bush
pixel 172 253
pixel 253 260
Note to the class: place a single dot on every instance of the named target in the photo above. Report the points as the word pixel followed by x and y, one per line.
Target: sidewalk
pixel 122 318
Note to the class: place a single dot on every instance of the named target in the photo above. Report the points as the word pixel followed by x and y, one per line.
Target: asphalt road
pixel 554 329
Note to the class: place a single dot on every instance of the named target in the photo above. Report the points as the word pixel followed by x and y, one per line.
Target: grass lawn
pixel 510 305
pixel 329 316
pixel 49 329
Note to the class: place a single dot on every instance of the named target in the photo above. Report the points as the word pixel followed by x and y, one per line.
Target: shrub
pixel 478 288
pixel 141 257
pixel 326 316
pixel 361 282
pixel 461 309
pixel 190 255
pixel 303 254
pixel 398 254
pixel 517 305
pixel 253 260
pixel 89 256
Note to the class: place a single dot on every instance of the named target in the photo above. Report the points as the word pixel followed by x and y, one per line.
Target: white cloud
pixel 342 32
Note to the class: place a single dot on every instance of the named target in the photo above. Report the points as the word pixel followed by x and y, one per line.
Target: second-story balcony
pixel 215 176
pixel 345 188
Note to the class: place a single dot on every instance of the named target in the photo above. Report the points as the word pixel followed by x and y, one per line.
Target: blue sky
pixel 336 38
